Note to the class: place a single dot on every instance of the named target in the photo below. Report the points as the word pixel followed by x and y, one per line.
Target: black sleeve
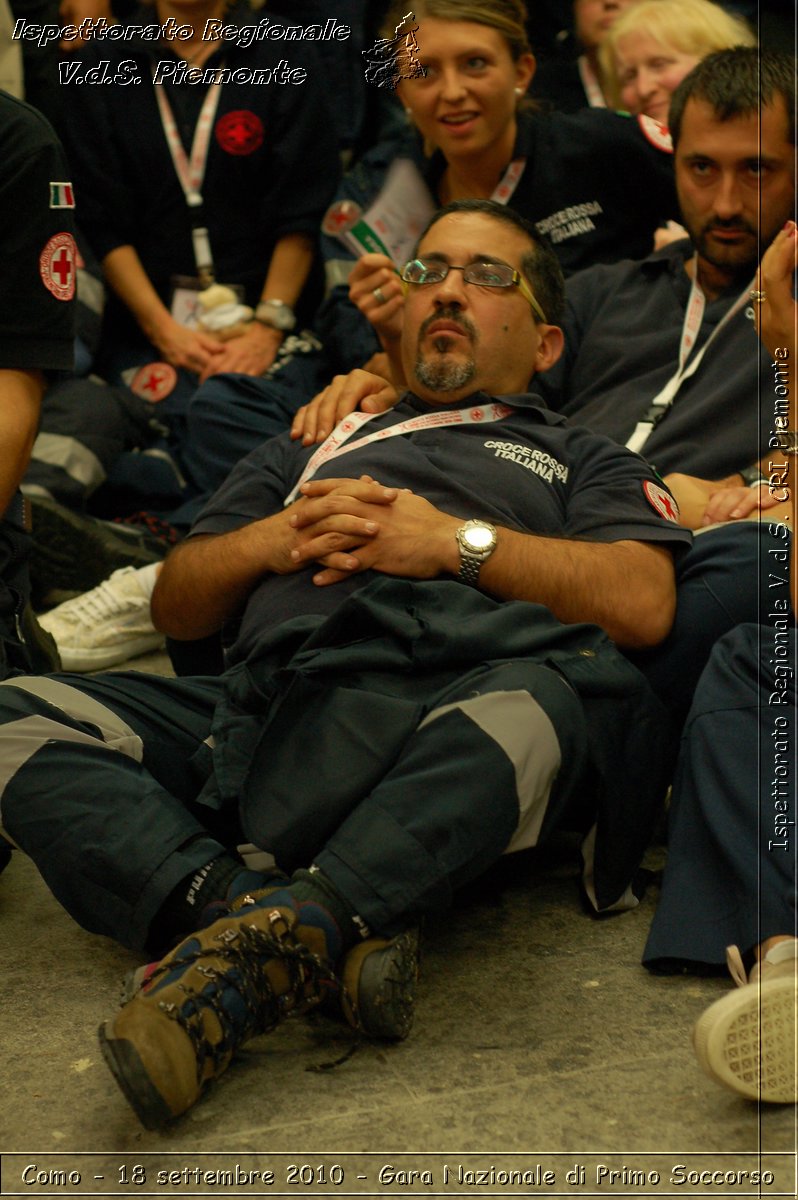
pixel 38 247
pixel 306 163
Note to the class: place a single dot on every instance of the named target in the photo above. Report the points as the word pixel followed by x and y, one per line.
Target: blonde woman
pixel 655 43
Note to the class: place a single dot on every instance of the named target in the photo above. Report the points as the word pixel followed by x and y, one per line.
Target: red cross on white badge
pixel 662 501
pixel 57 266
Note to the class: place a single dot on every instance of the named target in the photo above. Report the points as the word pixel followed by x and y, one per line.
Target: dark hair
pixel 540 264
pixel 507 17
pixel 737 83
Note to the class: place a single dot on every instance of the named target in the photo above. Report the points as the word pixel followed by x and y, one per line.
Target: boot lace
pixel 245 952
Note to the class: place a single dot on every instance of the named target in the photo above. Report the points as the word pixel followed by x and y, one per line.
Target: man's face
pixel 735 181
pixel 460 338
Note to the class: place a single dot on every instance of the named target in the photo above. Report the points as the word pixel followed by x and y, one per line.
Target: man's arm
pixel 206 581
pixel 20 400
pixel 626 587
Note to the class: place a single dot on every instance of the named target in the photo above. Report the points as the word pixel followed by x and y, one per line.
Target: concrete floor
pixel 540 1044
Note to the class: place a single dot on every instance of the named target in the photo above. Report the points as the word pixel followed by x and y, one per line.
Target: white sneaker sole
pixel 108 656
pixel 755 1062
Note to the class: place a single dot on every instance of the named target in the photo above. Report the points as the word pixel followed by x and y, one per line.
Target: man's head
pixel 461 337
pixel 732 120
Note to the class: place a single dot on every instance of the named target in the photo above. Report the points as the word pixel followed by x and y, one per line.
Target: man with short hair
pixel 628 326
pixel 662 354
pixel 404 703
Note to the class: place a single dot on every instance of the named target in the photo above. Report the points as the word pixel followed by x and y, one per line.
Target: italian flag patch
pixel 61 195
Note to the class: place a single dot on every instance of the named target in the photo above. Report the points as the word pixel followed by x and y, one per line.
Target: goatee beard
pixel 443 376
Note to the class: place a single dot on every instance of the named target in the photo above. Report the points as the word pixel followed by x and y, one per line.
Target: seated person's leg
pixel 98 785
pixel 722 582
pixel 730 877
pixel 230 415
pixel 495 765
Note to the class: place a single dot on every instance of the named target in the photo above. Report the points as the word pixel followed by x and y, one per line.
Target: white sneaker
pixel 105 626
pixel 747 1039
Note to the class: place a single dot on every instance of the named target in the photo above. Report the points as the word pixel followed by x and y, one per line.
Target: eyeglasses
pixel 482 274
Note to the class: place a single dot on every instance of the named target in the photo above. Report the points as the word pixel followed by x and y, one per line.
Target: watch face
pixel 479 538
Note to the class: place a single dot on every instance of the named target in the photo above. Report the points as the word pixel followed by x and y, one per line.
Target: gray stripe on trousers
pixel 523 730
pixel 75 459
pixel 22 738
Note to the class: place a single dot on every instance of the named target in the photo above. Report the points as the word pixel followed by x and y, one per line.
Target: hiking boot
pixel 377 992
pixel 746 1040
pixel 105 626
pixel 72 553
pixel 223 985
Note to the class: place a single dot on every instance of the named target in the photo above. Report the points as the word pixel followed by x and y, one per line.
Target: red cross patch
pixel 656 133
pixel 57 265
pixel 239 132
pixel 662 501
pixel 154 382
pixel 340 216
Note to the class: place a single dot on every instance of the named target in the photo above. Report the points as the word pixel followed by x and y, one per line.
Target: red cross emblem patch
pixel 656 133
pixel 240 132
pixel 57 265
pixel 662 501
pixel 340 216
pixel 154 382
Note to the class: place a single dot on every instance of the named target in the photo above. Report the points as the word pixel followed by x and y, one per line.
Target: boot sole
pixel 134 1082
pixel 382 985
pixel 730 1047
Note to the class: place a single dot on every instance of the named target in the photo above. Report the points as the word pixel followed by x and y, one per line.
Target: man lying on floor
pixel 417 685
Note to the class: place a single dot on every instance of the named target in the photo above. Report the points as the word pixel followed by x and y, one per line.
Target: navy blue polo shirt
pixel 532 472
pixel 623 327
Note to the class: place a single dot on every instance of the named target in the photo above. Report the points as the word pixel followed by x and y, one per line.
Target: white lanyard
pixel 595 96
pixel 509 181
pixel 693 318
pixel 333 447
pixel 191 171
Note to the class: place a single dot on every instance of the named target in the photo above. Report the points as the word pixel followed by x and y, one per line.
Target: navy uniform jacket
pixel 595 183
pixel 532 472
pixel 623 326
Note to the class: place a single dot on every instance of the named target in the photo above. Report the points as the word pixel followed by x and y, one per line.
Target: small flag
pixel 61 195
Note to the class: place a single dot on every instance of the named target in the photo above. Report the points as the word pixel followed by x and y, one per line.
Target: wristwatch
pixel 277 314
pixel 752 476
pixel 787 441
pixel 477 541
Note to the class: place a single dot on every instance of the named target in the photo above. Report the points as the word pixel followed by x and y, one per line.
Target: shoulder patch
pixel 57 265
pixel 661 501
pixel 61 195
pixel 656 133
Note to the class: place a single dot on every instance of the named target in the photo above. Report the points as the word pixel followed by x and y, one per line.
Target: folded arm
pixel 626 587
